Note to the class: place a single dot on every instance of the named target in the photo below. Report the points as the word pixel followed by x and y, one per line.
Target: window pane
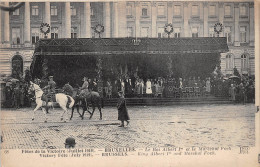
pixel 161 10
pixel 54 10
pixel 195 10
pixel 35 10
pixel 243 10
pixel 16 35
pixel 129 10
pixel 212 10
pixel 144 31
pixel 227 10
pixel 177 10
pixel 16 12
pixel 129 32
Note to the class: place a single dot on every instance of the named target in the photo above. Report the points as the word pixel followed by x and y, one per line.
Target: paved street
pixel 160 126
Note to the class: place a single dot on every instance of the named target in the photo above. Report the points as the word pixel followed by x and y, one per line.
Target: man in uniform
pixel 49 90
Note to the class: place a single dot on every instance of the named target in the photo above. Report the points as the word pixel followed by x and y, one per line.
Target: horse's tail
pixel 71 101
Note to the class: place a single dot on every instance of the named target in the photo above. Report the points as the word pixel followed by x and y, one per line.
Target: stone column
pixel 122 22
pixel 86 31
pixel 6 26
pixel 47 16
pixel 170 12
pixel 115 20
pixel 137 19
pixel 205 19
pixel 236 42
pixel 186 19
pixel 154 17
pixel 67 20
pixel 27 25
pixel 221 16
pixel 251 24
pixel 107 19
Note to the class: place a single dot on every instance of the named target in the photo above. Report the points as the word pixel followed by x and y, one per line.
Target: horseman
pixel 85 84
pixel 49 90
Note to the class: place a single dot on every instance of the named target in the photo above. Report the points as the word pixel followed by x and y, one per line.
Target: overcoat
pixel 122 110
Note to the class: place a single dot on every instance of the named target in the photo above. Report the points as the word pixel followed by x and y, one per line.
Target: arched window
pixel 244 61
pixel 17 66
pixel 229 62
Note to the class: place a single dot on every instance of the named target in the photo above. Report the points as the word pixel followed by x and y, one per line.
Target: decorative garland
pixel 45 28
pixel 168 28
pixel 99 29
pixel 218 27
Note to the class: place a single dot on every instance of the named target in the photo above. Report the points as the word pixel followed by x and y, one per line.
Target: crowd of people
pixel 238 89
pixel 16 94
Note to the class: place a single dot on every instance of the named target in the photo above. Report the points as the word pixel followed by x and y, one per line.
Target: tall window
pixel 176 10
pixel 144 11
pixel 227 10
pixel 73 11
pixel 243 34
pixel 195 32
pixel 212 10
pixel 244 62
pixel 54 32
pixel 211 32
pixel 35 10
pixel 228 34
pixel 229 62
pixel 177 32
pixel 129 10
pixel 35 35
pixel 195 10
pixel 54 10
pixel 130 32
pixel 17 66
pixel 74 32
pixel 145 31
pixel 161 10
pixel 16 12
pixel 161 33
pixel 243 10
pixel 16 36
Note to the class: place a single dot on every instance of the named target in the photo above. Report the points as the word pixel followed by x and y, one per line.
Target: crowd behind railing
pixel 236 89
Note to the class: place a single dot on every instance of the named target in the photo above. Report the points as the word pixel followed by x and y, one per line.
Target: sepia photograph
pixel 129 83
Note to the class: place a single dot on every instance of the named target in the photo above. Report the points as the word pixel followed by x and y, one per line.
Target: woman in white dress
pixel 148 88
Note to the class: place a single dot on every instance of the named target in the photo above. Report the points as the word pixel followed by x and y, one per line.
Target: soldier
pixel 49 90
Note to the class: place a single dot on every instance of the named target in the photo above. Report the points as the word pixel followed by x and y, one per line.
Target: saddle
pixel 48 97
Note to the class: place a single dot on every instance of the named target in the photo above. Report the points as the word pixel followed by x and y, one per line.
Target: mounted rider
pixel 49 90
pixel 85 85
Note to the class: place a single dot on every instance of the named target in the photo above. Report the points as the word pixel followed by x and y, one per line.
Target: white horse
pixel 61 99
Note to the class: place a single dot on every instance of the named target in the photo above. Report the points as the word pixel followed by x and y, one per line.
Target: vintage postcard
pixel 130 83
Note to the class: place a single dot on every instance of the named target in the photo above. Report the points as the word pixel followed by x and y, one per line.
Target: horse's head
pixel 31 88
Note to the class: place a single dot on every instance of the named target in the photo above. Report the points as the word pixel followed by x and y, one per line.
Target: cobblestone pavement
pixel 160 126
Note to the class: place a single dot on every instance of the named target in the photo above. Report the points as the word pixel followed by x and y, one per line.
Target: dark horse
pixel 86 98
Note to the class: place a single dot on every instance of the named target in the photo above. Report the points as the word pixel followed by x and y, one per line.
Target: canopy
pixel 149 56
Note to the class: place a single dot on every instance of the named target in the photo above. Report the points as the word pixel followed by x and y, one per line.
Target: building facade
pixel 20 30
